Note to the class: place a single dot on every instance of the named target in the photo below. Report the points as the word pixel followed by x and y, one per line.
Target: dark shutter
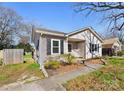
pixel 62 46
pixel 90 44
pixel 48 46
pixel 98 48
pixel 37 47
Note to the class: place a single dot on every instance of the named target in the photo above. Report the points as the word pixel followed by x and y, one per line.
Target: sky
pixel 56 16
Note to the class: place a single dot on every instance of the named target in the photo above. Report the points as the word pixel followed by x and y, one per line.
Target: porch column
pixel 66 46
pixel 42 50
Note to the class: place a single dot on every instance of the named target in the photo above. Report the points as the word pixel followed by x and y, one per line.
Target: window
pixel 69 47
pixel 94 47
pixel 55 46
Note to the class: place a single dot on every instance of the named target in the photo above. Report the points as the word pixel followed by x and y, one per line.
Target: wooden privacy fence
pixel 12 56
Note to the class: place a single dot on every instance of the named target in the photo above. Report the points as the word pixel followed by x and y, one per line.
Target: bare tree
pixel 11 26
pixel 113 14
pixel 25 39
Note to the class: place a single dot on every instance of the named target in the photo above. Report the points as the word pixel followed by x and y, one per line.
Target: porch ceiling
pixel 75 40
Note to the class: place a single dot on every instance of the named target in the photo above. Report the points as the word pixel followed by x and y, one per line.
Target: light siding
pixel 89 38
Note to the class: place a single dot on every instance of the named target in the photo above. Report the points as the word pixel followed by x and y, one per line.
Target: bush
pixel 52 65
pixel 1 62
pixel 69 59
pixel 27 47
pixel 120 53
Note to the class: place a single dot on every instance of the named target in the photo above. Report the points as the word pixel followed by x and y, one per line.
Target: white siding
pixel 89 38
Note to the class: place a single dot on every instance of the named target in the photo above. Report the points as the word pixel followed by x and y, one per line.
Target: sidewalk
pixel 54 83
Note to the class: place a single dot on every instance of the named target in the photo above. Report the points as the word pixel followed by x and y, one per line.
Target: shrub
pixel 69 58
pixel 120 53
pixel 1 62
pixel 27 47
pixel 52 65
pixel 97 57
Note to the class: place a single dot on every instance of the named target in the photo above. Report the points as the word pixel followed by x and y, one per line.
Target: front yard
pixel 14 72
pixel 63 68
pixel 62 64
pixel 110 77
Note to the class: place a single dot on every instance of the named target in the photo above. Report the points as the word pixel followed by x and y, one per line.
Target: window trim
pixel 58 46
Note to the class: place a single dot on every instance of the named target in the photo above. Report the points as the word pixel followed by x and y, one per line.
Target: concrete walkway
pixel 53 83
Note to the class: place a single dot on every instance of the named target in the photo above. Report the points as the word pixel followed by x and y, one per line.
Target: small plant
pixel 69 59
pixel 24 61
pixel 1 62
pixel 52 65
pixel 120 53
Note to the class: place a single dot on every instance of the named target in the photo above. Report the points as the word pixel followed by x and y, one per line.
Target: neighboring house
pixel 111 46
pixel 84 43
pixel 122 46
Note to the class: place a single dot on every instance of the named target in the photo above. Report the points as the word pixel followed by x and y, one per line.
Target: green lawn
pixel 110 77
pixel 10 73
pixel 28 55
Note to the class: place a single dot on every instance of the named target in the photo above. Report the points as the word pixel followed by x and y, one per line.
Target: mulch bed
pixel 68 68
pixel 64 69
pixel 94 61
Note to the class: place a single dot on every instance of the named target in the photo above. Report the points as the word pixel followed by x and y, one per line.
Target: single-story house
pixel 84 43
pixel 111 46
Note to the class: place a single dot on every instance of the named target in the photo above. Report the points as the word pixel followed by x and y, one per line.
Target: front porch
pixel 76 47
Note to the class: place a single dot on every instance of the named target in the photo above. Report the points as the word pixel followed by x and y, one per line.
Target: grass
pixel 11 73
pixel 28 55
pixel 110 77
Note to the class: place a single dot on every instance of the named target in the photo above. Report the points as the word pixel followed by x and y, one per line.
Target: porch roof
pixel 107 46
pixel 75 40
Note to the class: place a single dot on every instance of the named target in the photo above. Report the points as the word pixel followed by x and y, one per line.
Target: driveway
pixel 53 83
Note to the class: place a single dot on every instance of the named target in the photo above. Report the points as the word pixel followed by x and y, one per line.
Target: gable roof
pixel 111 41
pixel 53 32
pixel 50 32
pixel 85 29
